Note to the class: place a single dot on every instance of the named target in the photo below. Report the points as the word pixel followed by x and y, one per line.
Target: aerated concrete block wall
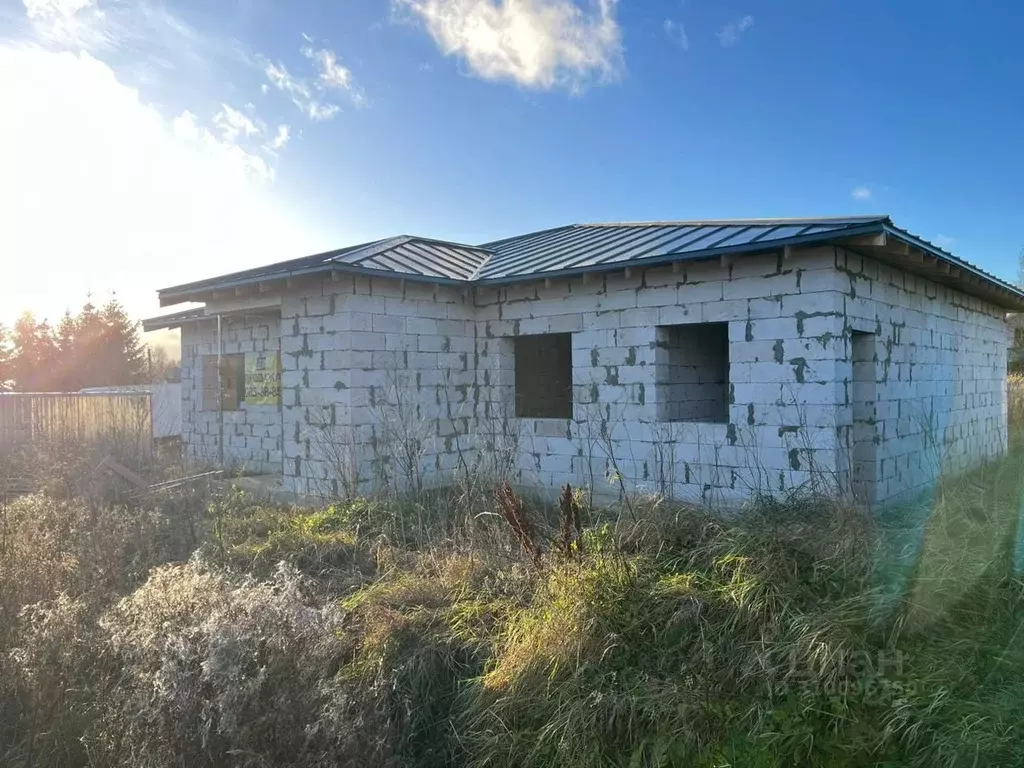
pixel 934 381
pixel 939 364
pixel 780 425
pixel 252 434
pixel 377 381
pixel 843 374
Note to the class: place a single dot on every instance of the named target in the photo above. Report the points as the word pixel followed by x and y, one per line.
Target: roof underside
pixel 173 320
pixel 580 248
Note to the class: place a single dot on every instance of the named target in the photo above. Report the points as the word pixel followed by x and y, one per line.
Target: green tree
pixel 95 348
pixel 123 351
pixel 67 329
pixel 65 337
pixel 89 365
pixel 35 357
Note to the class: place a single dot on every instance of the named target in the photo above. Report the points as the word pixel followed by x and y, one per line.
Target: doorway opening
pixel 866 471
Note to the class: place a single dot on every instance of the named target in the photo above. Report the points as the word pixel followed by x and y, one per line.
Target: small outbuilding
pixel 709 361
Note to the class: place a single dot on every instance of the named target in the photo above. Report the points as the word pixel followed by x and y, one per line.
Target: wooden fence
pixel 124 419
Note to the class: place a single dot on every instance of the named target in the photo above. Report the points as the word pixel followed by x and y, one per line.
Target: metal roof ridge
pixel 369 250
pixel 491 243
pixel 383 246
pixel 738 222
pixel 451 243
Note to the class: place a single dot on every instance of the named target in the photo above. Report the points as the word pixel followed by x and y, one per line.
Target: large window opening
pixel 543 366
pixel 232 383
pixel 693 372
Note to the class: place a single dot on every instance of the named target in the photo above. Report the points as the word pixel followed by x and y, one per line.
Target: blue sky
pixel 158 143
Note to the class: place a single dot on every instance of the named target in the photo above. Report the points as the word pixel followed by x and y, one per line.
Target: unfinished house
pixel 709 361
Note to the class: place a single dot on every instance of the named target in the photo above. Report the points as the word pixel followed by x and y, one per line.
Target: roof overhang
pixel 902 249
pixel 201 314
pixel 404 258
pixel 440 262
pixel 881 241
pixel 241 287
pixel 173 320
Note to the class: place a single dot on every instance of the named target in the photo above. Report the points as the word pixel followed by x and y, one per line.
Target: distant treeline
pixel 97 347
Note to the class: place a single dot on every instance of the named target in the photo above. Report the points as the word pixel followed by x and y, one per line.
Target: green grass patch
pixel 385 633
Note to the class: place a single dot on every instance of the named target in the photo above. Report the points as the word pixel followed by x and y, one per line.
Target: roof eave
pixel 171 296
pixel 173 320
pixel 976 282
pixel 992 289
pixel 948 257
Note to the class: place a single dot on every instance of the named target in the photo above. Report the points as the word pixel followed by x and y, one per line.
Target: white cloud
pixel 317 111
pixel 304 96
pixel 101 192
pixel 70 22
pixel 944 241
pixel 332 74
pixel 677 33
pixel 281 79
pixel 861 192
pixel 284 135
pixel 233 124
pixel 731 33
pixel 65 9
pixel 186 128
pixel 129 26
pixel 535 43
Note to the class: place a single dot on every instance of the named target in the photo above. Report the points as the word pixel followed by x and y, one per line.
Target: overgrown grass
pixel 434 634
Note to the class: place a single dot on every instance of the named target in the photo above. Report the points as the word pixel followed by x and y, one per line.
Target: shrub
pixel 214 669
pixel 51 546
pixel 51 683
pixel 417 634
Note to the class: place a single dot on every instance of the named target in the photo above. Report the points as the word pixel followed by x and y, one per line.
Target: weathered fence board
pixel 76 417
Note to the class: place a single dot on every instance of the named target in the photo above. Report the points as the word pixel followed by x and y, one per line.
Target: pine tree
pixel 35 356
pixel 90 366
pixel 48 356
pixel 123 348
pixel 91 349
pixel 66 337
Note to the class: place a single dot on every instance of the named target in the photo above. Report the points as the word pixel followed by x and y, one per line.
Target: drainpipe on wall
pixel 220 398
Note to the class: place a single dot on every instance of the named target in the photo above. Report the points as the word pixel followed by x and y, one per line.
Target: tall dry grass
pixel 493 630
pixel 1015 402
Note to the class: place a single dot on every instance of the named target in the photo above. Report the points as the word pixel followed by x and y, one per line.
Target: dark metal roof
pixel 588 246
pixel 419 257
pixel 198 314
pixel 581 248
pixel 174 320
pixel 267 272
